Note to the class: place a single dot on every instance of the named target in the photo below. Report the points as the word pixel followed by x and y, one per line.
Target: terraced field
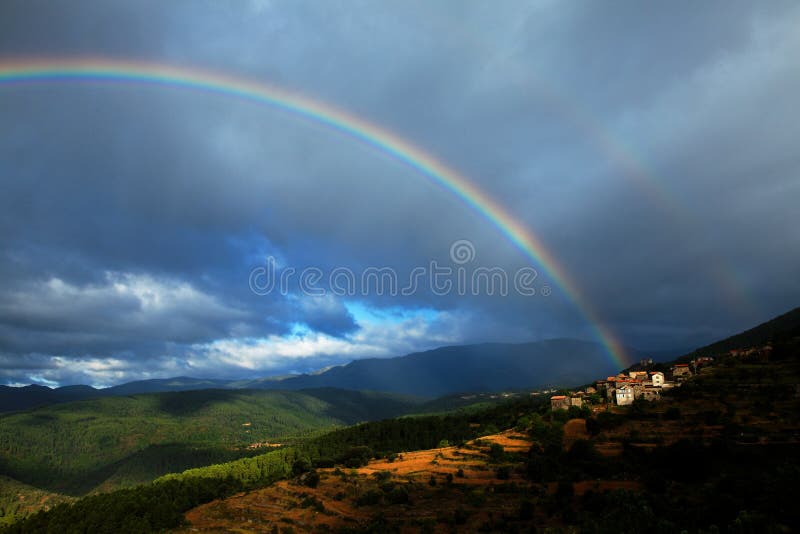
pixel 431 488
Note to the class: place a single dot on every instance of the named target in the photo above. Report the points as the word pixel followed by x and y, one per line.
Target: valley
pixel 720 449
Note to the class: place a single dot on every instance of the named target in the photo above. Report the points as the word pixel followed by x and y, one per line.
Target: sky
pixel 651 148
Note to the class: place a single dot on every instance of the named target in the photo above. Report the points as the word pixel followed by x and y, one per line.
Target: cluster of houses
pixel 642 382
pixel 753 353
pixel 623 388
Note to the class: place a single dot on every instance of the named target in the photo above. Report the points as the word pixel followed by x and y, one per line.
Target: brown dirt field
pixel 332 505
pixel 287 503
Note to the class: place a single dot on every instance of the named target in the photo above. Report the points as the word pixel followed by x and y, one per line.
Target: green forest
pixel 115 442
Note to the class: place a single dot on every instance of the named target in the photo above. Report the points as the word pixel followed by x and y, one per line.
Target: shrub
pixel 565 490
pixel 592 426
pixel 323 463
pixel 496 451
pixel 356 456
pixel 311 479
pixel 300 466
pixel 523 423
pixel 460 516
pixel 382 476
pixel 398 495
pixel 369 498
pixel 526 509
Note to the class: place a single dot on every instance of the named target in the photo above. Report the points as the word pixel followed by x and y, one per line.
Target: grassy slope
pixel 125 440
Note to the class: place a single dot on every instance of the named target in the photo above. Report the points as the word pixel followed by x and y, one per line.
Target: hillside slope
pixel 780 328
pixel 119 441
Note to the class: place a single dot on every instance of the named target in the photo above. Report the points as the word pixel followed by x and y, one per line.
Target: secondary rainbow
pixel 113 70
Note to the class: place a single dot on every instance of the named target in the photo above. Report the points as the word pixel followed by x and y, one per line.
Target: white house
pixel 624 395
pixel 658 379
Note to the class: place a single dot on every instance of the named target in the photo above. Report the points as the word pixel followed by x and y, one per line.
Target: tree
pixel 300 466
pixel 496 452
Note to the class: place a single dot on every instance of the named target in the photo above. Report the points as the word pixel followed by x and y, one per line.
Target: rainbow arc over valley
pixel 106 70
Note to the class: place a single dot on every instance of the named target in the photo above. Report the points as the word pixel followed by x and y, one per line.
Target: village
pixel 647 381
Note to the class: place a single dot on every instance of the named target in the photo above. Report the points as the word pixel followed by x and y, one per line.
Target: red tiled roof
pixel 558 397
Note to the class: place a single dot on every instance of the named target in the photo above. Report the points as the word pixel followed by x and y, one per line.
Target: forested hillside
pixel 120 441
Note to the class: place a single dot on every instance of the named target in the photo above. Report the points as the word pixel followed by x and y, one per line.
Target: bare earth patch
pixel 437 490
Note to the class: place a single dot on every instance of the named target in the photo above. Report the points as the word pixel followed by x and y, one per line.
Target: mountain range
pixel 433 373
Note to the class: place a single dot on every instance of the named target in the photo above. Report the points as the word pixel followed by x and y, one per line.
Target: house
pixel 701 361
pixel 590 390
pixel 651 393
pixel 681 370
pixel 576 400
pixel 634 384
pixel 657 378
pixel 624 395
pixel 638 375
pixel 559 402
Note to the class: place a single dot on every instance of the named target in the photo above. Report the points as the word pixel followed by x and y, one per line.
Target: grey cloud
pixel 525 99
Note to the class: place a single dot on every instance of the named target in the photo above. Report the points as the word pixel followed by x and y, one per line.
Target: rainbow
pixel 102 70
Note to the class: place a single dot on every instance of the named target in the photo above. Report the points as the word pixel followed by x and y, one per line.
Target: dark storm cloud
pixel 650 147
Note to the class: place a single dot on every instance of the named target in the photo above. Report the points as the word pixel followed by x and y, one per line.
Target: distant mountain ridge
pixel 468 368
pixel 22 398
pixel 433 373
